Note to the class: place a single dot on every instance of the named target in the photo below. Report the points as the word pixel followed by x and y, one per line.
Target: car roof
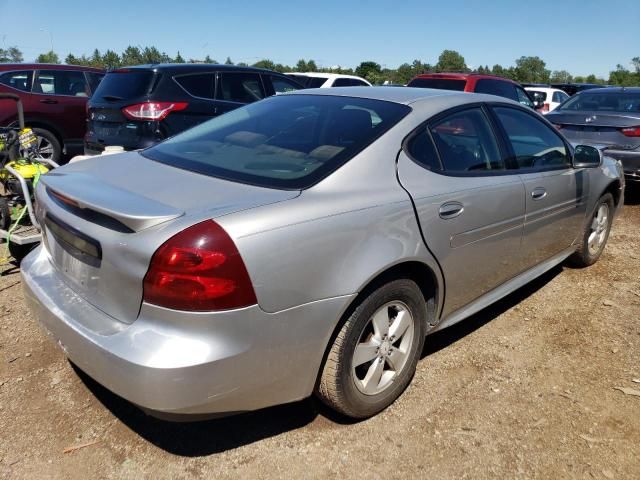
pixel 612 90
pixel 47 66
pixel 544 89
pixel 463 76
pixel 402 95
pixel 324 75
pixel 192 67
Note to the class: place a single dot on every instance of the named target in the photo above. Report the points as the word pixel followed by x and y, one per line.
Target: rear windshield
pixel 603 102
pixel 538 95
pixel 439 83
pixel 287 141
pixel 122 85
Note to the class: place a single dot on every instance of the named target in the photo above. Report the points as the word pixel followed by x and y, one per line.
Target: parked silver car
pixel 307 243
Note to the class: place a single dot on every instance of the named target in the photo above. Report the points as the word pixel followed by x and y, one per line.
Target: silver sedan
pixel 307 243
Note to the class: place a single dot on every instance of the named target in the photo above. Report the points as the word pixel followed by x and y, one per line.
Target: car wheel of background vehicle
pixel 5 214
pixel 18 252
pixel 374 355
pixel 595 234
pixel 48 145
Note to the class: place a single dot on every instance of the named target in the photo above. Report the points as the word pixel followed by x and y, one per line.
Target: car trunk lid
pixel 596 127
pixel 102 223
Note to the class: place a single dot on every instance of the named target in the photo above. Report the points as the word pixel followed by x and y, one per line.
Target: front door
pixel 555 192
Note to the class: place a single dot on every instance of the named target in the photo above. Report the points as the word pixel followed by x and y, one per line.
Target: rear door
pixel 555 191
pixel 62 97
pixel 470 204
pixel 235 89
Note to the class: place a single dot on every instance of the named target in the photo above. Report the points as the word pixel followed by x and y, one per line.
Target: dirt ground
pixel 528 388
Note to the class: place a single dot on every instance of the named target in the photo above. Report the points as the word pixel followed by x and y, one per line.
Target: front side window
pixel 285 141
pixel 316 82
pixel 466 143
pixel 18 80
pixel 283 85
pixel 240 87
pixel 61 82
pixel 199 85
pixel 534 144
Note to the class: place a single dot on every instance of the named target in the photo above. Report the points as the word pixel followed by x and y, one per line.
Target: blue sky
pixel 581 36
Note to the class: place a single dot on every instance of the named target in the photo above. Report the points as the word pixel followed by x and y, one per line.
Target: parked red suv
pixel 54 99
pixel 475 82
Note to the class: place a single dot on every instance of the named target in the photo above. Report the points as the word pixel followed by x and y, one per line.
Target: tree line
pixel 526 69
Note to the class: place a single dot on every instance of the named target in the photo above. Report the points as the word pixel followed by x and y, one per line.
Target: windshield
pixel 122 85
pixel 603 102
pixel 439 83
pixel 288 141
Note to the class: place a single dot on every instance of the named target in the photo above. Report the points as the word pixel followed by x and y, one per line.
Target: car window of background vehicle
pixel 535 145
pixel 466 143
pixel 240 87
pixel 19 80
pixel 199 85
pixel 61 82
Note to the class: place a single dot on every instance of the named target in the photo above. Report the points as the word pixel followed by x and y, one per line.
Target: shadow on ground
pixel 215 436
pixel 632 194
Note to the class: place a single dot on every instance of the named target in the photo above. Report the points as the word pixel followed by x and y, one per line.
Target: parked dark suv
pixel 137 107
pixel 477 83
pixel 54 99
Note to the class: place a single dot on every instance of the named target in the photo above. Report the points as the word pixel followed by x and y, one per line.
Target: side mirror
pixel 537 103
pixel 586 156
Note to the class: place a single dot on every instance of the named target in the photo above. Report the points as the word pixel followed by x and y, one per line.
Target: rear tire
pixel 18 252
pixel 596 234
pixel 374 355
pixel 48 145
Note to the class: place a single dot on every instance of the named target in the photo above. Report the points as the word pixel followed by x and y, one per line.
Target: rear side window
pixel 19 80
pixel 466 143
pixel 439 83
pixel 94 79
pixel 535 145
pixel 316 82
pixel 540 95
pixel 125 84
pixel 496 87
pixel 61 82
pixel 285 141
pixel 240 87
pixel 199 85
pixel 283 85
pixel 342 82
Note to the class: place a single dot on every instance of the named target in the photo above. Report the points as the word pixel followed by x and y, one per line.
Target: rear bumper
pixel 185 363
pixel 630 162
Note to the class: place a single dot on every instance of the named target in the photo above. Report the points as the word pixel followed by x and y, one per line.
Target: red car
pixel 475 82
pixel 54 99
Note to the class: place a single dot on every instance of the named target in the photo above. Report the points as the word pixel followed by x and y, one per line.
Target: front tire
pixel 374 355
pixel 596 234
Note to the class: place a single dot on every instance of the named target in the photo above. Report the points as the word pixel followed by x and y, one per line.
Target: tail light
pixel 152 110
pixel 631 131
pixel 545 107
pixel 199 269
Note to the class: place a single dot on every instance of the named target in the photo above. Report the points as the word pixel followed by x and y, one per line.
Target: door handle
pixel 450 210
pixel 49 101
pixel 538 193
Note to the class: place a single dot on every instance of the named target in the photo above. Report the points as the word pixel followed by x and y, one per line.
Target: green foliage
pixel 228 61
pixel 624 77
pixel 560 76
pixel 451 61
pixel 10 55
pixel 371 71
pixel 178 58
pixel 49 57
pixel 532 70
